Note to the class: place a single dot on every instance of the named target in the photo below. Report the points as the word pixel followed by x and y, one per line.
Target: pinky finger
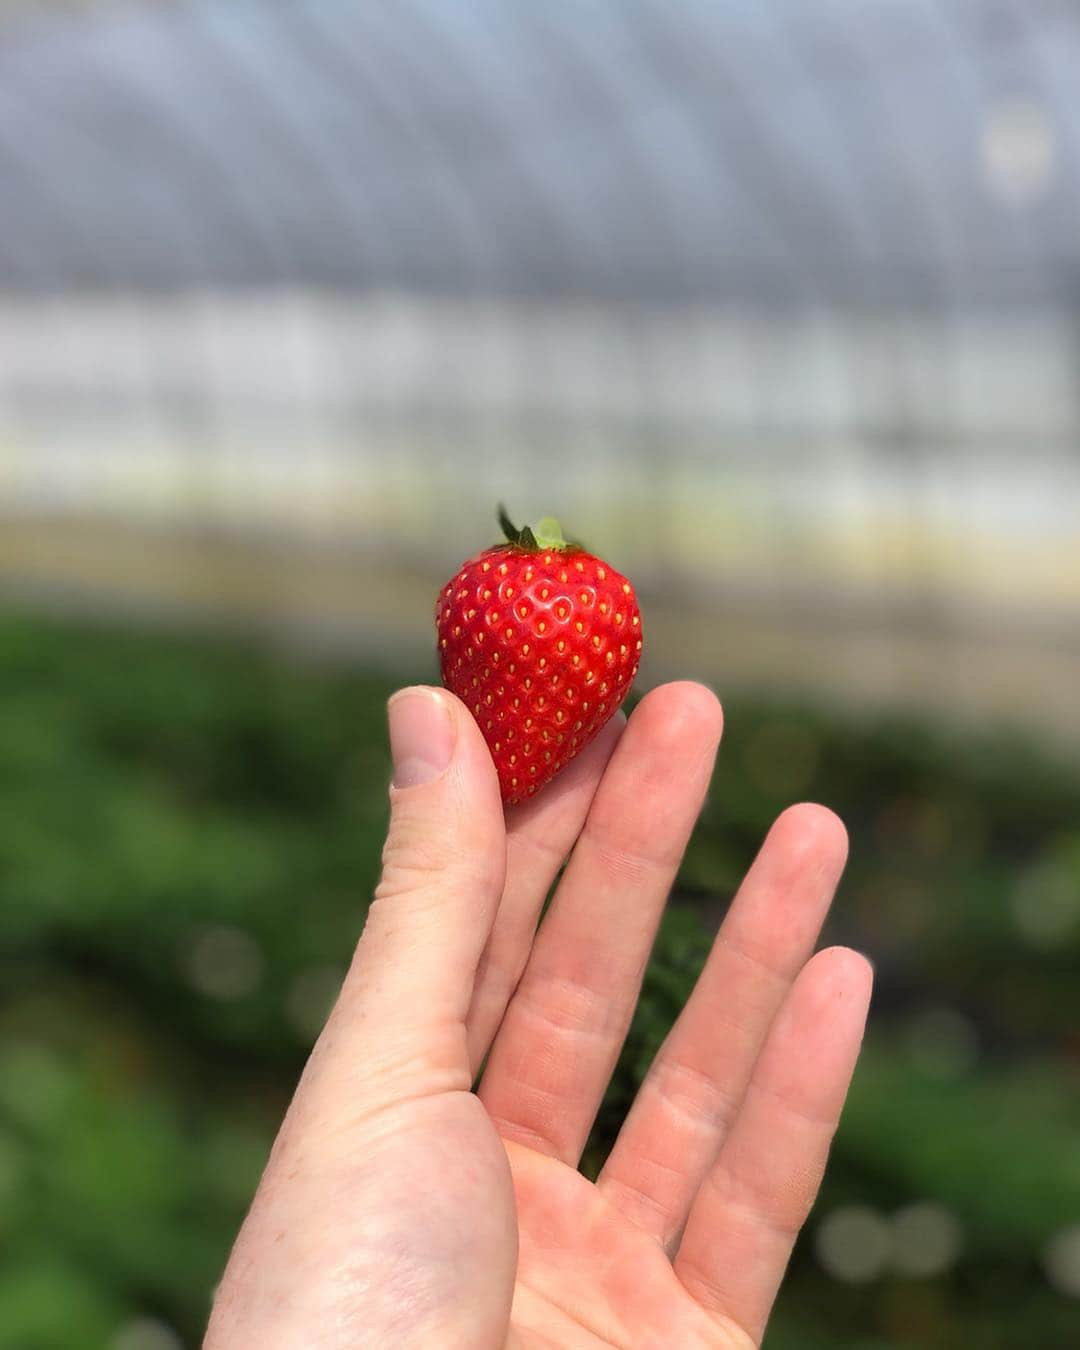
pixel 749 1210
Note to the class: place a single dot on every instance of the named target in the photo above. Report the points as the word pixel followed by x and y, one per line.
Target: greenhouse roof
pixel 857 151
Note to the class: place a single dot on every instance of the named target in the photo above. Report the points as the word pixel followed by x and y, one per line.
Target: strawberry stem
pixel 546 534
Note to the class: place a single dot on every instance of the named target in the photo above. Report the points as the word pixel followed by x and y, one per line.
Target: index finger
pixel 539 835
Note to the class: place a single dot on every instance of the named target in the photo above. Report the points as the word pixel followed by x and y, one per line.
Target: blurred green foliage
pixel 188 834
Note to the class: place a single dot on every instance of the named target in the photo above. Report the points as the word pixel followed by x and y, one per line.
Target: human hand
pixel 400 1208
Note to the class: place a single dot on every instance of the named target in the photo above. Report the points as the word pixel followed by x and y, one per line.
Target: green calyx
pixel 545 536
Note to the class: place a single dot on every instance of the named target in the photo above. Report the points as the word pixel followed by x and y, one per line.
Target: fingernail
pixel 422 735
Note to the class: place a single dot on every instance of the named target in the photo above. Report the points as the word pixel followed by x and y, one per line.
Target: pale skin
pixel 402 1208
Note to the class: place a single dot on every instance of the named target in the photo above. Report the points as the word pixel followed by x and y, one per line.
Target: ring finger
pixel 696 1083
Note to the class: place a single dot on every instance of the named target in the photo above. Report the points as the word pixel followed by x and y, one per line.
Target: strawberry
pixel 542 641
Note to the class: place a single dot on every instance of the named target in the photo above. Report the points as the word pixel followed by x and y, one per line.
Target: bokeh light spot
pixel 1019 151
pixel 853 1244
pixel 1046 905
pixel 926 1240
pixel 146 1333
pixel 222 962
pixel 1061 1261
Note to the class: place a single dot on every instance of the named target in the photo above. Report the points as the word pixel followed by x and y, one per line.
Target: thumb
pixel 443 865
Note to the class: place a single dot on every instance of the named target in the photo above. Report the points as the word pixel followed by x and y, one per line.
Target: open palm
pixel 402 1208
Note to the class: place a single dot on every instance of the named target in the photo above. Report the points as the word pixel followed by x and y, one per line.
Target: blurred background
pixel 777 304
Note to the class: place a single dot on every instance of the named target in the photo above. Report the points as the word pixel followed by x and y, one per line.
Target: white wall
pixel 875 453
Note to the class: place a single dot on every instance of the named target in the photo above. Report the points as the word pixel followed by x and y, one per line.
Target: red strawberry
pixel 542 642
